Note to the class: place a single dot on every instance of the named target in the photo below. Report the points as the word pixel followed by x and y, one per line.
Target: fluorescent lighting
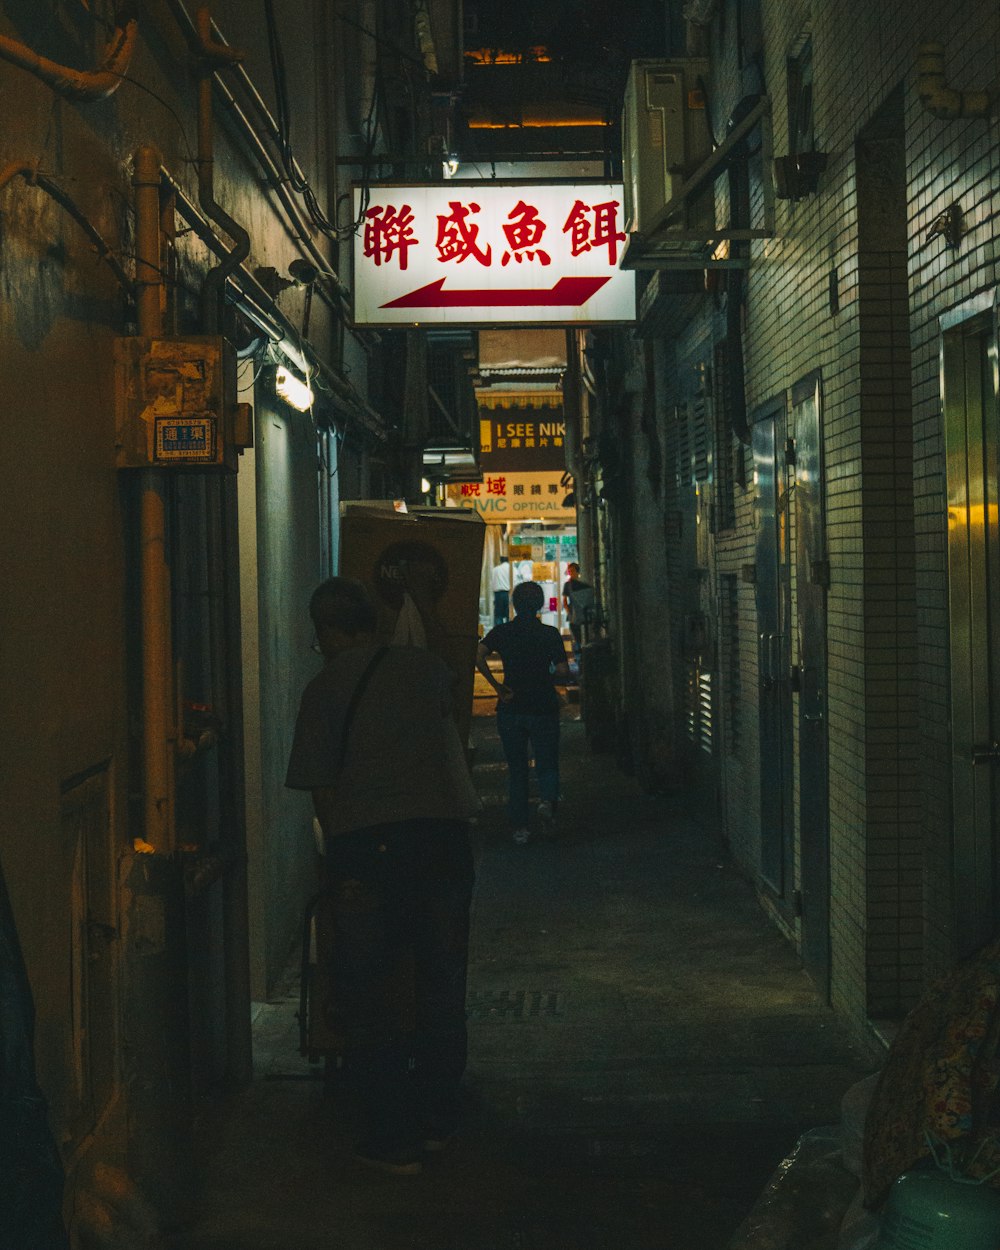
pixel 293 390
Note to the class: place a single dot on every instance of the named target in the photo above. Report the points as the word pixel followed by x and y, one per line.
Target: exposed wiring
pixel 104 251
pixel 393 47
pixel 290 168
pixel 170 109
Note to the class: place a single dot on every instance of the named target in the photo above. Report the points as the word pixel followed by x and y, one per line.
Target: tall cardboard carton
pixel 423 569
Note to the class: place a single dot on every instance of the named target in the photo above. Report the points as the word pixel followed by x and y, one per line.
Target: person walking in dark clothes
pixel 533 657
pixel 376 744
pixel 578 600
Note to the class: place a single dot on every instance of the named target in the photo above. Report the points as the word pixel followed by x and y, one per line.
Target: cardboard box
pixel 423 568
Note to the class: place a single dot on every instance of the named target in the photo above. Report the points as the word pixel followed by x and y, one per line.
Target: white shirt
pixel 501 577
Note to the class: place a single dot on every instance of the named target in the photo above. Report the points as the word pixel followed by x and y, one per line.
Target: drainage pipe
pixel 159 732
pixel 255 304
pixel 276 178
pixel 75 84
pixel 937 97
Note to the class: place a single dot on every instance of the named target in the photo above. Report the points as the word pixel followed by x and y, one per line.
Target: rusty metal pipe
pixel 75 84
pixel 159 730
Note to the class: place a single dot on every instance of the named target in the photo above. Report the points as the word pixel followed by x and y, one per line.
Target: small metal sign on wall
pixel 485 253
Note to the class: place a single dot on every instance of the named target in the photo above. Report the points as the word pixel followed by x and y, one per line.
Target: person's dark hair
pixel 572 565
pixel 528 597
pixel 345 604
pixel 503 559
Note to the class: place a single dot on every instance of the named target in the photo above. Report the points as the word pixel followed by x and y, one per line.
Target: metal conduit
pixel 212 57
pixel 336 301
pixel 246 293
pixel 276 178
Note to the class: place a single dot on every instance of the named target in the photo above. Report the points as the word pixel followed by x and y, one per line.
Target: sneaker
pixel 522 837
pixel 394 1162
pixel 547 819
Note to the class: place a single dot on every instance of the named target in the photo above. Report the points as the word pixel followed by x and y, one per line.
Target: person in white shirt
pixel 501 592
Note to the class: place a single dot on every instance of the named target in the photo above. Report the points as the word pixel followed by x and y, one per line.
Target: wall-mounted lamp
pixel 425 486
pixel 950 225
pixel 450 166
pixel 292 389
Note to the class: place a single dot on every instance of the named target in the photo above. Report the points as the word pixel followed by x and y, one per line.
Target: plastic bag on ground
pixel 804 1202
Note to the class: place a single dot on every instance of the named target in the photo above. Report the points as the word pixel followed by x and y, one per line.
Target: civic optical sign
pixel 471 253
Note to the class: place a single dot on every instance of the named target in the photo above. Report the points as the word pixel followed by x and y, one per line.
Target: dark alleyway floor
pixel 644 1051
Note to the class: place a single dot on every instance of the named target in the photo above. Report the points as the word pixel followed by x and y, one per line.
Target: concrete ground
pixel 644 1050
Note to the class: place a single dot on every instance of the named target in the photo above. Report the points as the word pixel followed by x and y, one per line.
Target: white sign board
pixel 483 253
pixel 502 497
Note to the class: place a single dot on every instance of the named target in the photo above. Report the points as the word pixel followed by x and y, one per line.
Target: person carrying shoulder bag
pixel 377 746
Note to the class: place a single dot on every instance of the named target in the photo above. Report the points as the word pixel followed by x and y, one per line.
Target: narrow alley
pixel 644 1049
pixel 667 330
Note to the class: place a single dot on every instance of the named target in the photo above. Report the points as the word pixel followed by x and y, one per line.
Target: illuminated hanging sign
pixel 502 497
pixel 475 253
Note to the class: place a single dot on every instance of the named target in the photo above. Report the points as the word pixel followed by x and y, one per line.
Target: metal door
pixel 970 418
pixel 811 581
pixel 773 582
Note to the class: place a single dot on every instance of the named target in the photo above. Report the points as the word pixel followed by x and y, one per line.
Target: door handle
pixel 986 755
pixel 769 648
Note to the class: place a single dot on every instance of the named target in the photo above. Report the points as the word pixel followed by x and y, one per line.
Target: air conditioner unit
pixel 665 137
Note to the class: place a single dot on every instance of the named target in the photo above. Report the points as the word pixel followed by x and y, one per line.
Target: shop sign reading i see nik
pixel 483 253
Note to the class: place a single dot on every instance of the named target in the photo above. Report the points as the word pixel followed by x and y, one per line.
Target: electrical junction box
pixel 174 404
pixel 665 136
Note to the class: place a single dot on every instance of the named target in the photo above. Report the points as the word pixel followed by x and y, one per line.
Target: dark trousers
pixel 519 731
pixel 501 606
pixel 399 962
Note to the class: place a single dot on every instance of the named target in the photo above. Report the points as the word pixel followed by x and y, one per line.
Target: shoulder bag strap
pixel 352 706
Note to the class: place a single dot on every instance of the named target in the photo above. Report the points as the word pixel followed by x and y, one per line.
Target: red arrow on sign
pixel 567 292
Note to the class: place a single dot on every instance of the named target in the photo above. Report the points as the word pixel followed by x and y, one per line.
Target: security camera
pixel 303 273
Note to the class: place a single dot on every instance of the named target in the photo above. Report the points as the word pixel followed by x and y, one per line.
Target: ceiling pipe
pixel 937 97
pixel 75 84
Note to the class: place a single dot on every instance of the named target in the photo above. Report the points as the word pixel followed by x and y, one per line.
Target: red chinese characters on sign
pixel 524 229
pixel 387 232
pixel 594 225
pixel 496 486
pixel 456 236
pixel 470 488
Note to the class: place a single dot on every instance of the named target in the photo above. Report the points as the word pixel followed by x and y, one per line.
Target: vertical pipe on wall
pixel 157 704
